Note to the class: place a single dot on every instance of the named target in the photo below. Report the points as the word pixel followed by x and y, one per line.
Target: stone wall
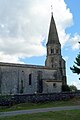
pixel 14 79
pixel 13 99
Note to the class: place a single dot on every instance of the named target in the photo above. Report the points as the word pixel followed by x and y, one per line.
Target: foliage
pixel 76 67
pixel 65 88
pixel 73 88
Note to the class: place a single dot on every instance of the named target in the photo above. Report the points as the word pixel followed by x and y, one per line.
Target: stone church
pixel 31 79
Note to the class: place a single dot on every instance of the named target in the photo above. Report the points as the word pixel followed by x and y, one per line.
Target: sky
pixel 24 27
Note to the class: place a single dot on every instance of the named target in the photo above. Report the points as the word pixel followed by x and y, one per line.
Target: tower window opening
pixel 52 51
pixel 52 65
pixel 57 51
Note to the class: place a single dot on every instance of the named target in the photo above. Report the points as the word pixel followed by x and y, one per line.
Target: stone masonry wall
pixel 13 99
pixel 15 77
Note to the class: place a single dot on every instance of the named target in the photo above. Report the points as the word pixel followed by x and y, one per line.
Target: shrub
pixel 65 88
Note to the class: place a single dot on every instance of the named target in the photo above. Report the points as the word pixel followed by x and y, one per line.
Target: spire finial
pixel 51 9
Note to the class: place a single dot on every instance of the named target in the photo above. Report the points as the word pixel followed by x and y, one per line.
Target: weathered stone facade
pixel 30 79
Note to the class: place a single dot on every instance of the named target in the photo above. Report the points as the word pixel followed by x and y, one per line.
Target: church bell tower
pixel 53 47
pixel 54 58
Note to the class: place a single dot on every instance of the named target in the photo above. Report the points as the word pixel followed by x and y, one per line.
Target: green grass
pixel 59 115
pixel 25 106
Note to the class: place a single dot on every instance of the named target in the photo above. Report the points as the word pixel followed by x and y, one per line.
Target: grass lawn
pixel 59 115
pixel 25 106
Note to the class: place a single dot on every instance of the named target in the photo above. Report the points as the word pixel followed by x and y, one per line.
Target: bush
pixel 65 88
pixel 73 88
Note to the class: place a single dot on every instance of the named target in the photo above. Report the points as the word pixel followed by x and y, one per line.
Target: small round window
pixel 54 84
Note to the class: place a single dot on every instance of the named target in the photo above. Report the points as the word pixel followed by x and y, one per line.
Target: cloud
pixel 75 41
pixel 76 83
pixel 24 25
pixel 9 58
pixel 66 58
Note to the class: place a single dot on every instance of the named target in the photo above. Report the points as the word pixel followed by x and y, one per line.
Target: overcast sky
pixel 24 26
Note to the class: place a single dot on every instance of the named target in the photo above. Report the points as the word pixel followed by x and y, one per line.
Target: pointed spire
pixel 53 35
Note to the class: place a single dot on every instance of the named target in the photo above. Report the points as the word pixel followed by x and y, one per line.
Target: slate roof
pixel 53 35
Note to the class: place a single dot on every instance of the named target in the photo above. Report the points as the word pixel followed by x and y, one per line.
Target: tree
pixel 73 88
pixel 76 68
pixel 65 88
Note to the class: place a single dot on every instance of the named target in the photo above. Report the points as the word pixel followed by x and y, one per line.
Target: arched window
pixel 30 77
pixel 22 88
pixel 52 50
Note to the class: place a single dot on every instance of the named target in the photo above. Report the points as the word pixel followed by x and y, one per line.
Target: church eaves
pixel 53 35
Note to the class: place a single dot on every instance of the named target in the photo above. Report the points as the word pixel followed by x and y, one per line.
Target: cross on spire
pixel 51 9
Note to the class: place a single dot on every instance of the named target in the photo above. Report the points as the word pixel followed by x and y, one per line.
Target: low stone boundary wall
pixel 14 99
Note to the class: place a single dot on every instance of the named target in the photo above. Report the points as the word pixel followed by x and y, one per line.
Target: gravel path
pixel 19 112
